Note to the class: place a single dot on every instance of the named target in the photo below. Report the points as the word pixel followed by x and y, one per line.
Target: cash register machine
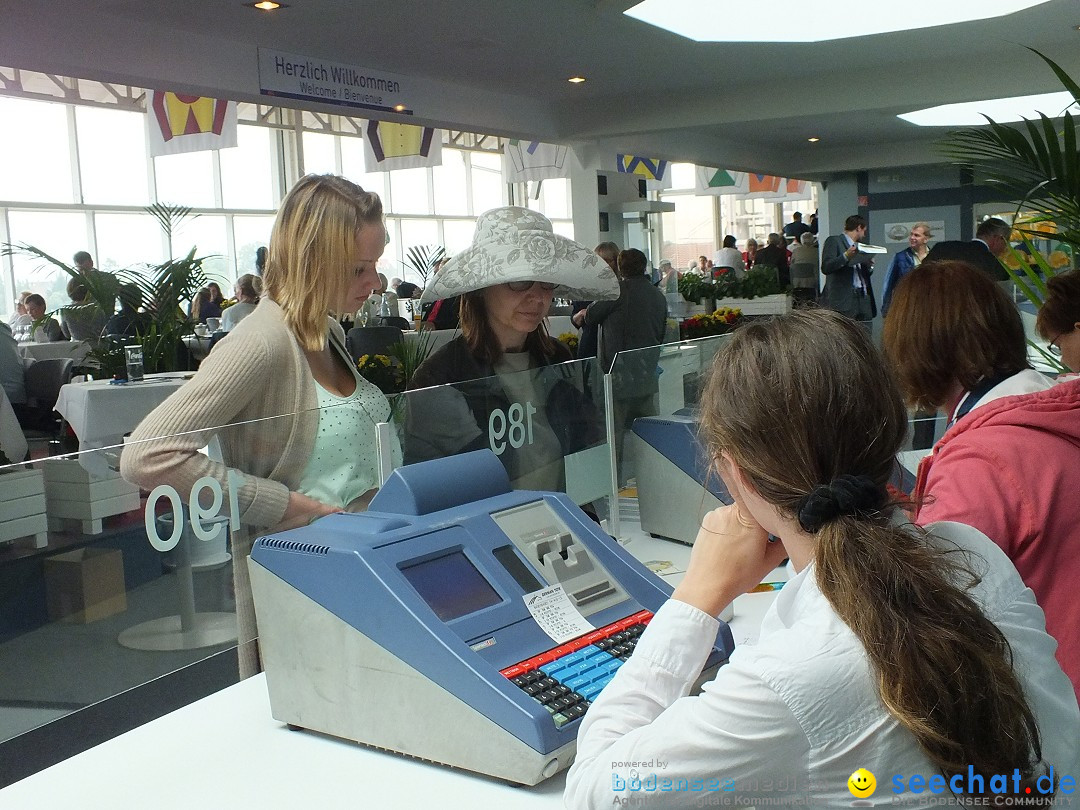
pixel 456 621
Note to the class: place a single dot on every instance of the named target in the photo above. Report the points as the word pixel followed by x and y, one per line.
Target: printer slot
pixel 593 592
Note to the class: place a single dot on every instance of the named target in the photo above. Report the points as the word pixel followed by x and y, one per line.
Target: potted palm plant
pixel 160 292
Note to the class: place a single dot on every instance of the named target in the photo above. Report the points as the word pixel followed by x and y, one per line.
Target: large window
pixel 77 175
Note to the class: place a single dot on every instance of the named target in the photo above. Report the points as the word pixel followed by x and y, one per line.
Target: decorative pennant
pixel 653 170
pixel 391 146
pixel 533 160
pixel 717 182
pixel 182 123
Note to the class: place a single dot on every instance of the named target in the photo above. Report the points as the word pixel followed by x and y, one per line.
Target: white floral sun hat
pixel 516 244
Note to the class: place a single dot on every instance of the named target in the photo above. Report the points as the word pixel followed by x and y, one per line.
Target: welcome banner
pixel 183 123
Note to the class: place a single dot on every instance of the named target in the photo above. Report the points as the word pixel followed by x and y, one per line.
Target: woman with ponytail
pixel 903 651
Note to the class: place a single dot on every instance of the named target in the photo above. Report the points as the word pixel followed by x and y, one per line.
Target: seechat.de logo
pixel 862 784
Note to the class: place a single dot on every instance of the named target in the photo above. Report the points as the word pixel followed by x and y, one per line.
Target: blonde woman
pixel 313 453
pixel 915 654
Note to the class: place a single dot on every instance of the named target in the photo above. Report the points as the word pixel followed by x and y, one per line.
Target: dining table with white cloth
pixel 77 350
pixel 102 412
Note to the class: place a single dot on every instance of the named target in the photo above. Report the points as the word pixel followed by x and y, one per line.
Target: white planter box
pixel 22 507
pixel 75 494
pixel 779 304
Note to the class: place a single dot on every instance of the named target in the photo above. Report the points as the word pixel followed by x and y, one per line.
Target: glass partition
pixel 107 584
pixel 661 480
pixel 656 381
pixel 546 425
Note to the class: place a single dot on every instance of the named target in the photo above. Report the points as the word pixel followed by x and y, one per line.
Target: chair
pixel 391 320
pixel 363 340
pixel 44 379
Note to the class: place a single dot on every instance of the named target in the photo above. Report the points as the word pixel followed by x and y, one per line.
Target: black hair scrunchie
pixel 845 495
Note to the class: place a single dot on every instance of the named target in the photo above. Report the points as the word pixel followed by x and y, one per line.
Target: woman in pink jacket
pixel 1009 462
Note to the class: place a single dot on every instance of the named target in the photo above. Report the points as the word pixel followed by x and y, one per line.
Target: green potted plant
pixel 1034 165
pixel 160 291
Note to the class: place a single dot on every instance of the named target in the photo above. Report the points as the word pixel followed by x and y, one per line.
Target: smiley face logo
pixel 862 784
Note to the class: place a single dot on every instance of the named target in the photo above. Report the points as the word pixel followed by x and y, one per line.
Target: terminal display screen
pixel 451 586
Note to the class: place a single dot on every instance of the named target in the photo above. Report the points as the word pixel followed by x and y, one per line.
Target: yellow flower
pixel 1059 259
pixel 1011 261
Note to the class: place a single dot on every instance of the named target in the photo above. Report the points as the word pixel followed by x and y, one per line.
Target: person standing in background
pixel 847 271
pixel 984 251
pixel 905 261
pixel 609 252
pixel 796 228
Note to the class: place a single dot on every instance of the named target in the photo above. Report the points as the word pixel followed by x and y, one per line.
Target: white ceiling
pixel 501 66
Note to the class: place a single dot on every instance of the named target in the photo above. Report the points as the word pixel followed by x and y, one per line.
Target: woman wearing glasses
pixel 1009 462
pixel 508 393
pixel 1059 318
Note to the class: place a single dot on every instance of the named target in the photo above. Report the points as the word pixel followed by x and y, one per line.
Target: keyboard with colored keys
pixel 565 680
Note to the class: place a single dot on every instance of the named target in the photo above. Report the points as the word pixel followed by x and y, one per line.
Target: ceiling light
pixel 576 79
pixel 712 21
pixel 813 140
pixel 399 107
pixel 267 5
pixel 1002 110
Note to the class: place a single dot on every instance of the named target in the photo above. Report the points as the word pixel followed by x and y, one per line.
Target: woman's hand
pixel 301 511
pixel 731 554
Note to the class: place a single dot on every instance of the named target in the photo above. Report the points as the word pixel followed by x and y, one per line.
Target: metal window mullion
pixel 73 155
pixel 469 184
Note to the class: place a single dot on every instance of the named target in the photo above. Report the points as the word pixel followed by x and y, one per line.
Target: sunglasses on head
pixel 522 286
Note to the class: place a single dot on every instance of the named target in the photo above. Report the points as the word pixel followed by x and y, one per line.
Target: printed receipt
pixel 556 614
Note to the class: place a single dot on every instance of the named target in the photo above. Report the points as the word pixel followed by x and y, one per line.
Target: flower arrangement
pixel 570 340
pixel 226 303
pixel 719 322
pixel 381 371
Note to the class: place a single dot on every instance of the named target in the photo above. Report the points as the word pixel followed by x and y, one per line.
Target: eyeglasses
pixel 1053 348
pixel 522 286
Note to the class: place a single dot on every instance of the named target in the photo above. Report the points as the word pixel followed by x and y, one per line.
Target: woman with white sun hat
pixel 504 360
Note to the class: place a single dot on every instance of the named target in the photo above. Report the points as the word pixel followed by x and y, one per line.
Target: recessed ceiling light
pixel 813 140
pixel 576 79
pixel 1002 110
pixel 267 5
pixel 711 21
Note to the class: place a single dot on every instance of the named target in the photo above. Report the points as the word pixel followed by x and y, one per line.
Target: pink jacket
pixel 1011 469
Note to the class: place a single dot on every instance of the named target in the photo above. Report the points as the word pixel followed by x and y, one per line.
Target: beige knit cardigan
pixel 256 393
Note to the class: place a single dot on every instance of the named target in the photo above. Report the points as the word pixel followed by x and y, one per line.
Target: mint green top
pixel 344 461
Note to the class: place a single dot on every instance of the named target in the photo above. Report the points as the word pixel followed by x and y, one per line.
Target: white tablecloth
pixel 101 413
pixel 75 349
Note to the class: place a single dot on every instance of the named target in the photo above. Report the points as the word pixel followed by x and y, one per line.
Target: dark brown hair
pixel 481 339
pixel 950 322
pixel 941 667
pixel 632 262
pixel 1060 312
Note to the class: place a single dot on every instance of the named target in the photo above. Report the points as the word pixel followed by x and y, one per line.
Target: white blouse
pixel 789 719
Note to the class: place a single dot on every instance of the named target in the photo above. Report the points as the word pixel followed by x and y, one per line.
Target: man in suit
pixel 991 241
pixel 847 274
